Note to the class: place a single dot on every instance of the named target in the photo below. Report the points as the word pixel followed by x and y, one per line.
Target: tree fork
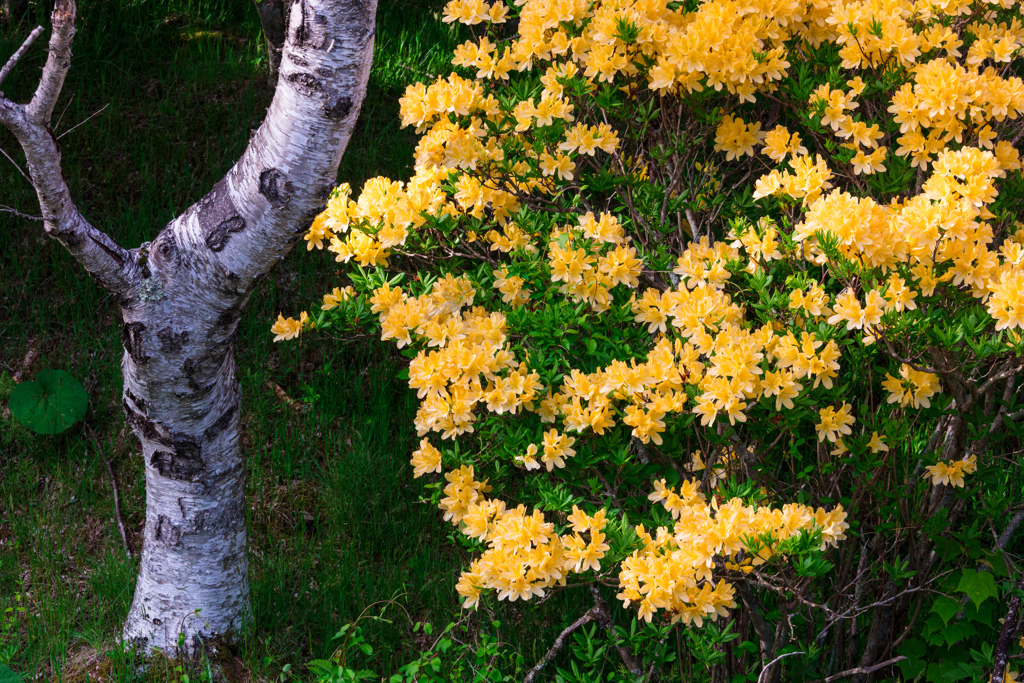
pixel 181 298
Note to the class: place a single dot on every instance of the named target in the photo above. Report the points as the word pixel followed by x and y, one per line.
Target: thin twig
pixel 113 483
pixel 63 111
pixel 7 209
pixel 864 669
pixel 23 174
pixel 36 32
pixel 591 615
pixel 96 113
pixel 769 665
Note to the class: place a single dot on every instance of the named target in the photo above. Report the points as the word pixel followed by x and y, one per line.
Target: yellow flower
pixel 581 522
pixel 834 423
pixel 736 137
pixel 562 165
pixel 877 445
pixel 556 447
pixel 776 143
pixel 288 328
pixel 869 163
pixel 1006 304
pixel 426 459
pixel 529 459
pixel 511 287
pixel 466 12
pixel 337 297
pixel 848 309
pixel 912 387
pixel 951 472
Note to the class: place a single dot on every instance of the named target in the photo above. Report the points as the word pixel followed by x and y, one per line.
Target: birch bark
pixel 182 296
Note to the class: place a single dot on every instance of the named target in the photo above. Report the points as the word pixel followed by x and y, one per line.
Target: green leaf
pixel 946 608
pixel 979 586
pixel 50 404
pixel 997 561
pixel 8 676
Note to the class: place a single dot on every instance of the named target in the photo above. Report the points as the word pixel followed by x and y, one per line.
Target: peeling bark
pixel 182 296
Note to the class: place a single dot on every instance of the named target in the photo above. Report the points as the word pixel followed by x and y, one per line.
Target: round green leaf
pixel 8 676
pixel 50 404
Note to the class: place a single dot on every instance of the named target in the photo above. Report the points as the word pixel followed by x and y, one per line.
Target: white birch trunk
pixel 182 296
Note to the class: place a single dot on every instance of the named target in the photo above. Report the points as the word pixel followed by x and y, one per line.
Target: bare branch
pixel 769 664
pixel 1004 538
pixel 1006 634
pixel 864 669
pixel 604 617
pixel 754 610
pixel 113 483
pixel 40 109
pixel 19 53
pixel 19 214
pixel 272 21
pixel 559 643
pixel 97 252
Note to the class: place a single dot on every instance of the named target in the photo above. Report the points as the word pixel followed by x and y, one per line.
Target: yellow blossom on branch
pixel 288 328
pixel 912 388
pixel 834 422
pixel 951 472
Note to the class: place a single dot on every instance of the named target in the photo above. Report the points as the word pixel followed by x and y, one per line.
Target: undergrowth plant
pixel 713 308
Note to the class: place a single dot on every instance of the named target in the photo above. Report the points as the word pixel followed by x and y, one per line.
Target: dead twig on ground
pixel 113 483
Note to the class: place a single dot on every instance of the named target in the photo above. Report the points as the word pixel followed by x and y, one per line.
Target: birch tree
pixel 181 298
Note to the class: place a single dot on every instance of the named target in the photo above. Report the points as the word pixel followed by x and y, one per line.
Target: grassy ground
pixel 159 103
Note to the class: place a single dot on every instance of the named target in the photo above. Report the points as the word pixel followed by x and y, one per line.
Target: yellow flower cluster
pixel 760 244
pixel 524 555
pixel 288 328
pixel 589 273
pixel 672 571
pixel 379 220
pixel 474 12
pixel 482 151
pixel 912 387
pixel 469 363
pixel 652 390
pixel 468 132
pixel 943 225
pixel 780 143
pixel 557 447
pixel 737 138
pixel 834 423
pixel 952 472
pixel 337 296
pixel 835 105
pixel 947 101
pixel 806 181
pixel 814 302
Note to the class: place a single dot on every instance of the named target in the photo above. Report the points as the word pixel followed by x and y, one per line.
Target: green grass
pixel 173 90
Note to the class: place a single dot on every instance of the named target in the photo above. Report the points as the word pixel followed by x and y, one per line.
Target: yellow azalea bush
pixel 713 303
